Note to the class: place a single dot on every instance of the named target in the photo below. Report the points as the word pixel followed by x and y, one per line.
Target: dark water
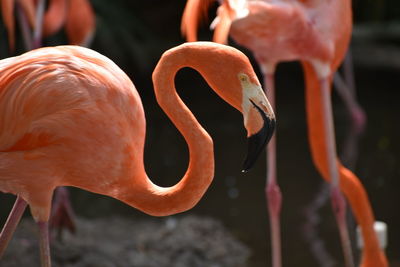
pixel 237 199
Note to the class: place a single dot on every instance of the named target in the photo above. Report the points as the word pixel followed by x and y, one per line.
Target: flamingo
pixel 79 20
pixel 7 10
pixel 76 15
pixel 305 30
pixel 71 117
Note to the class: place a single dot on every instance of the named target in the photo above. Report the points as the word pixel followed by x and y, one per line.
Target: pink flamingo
pixel 76 15
pixel 7 10
pixel 305 30
pixel 71 117
pixel 36 22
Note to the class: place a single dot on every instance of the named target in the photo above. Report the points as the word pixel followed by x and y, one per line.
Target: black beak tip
pixel 251 157
pixel 257 142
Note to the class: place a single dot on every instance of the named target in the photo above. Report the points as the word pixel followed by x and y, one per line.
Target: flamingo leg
pixel 25 28
pixel 44 244
pixel 357 113
pixel 11 223
pixel 62 215
pixel 348 72
pixel 338 200
pixel 344 85
pixel 313 218
pixel 38 31
pixel 272 190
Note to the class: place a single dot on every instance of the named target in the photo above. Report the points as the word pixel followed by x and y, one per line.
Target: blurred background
pixel 134 34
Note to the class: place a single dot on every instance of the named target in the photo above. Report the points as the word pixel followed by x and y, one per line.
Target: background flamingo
pixel 7 9
pixel 79 20
pixel 301 30
pixel 76 15
pixel 41 149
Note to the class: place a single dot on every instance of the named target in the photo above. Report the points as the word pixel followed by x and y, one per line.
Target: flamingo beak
pixel 258 141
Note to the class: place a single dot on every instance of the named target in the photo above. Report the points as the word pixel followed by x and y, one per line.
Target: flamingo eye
pixel 243 77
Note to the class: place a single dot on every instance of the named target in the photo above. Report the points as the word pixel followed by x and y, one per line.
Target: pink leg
pixel 37 33
pixel 32 40
pixel 25 28
pixel 44 244
pixel 62 215
pixel 348 72
pixel 11 223
pixel 272 190
pixel 310 228
pixel 357 113
pixel 346 89
pixel 338 200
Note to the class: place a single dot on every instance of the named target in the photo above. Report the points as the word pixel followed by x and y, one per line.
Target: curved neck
pixel 161 201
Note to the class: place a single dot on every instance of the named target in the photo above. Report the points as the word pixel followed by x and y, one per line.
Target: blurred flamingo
pixel 76 15
pixel 305 30
pixel 8 14
pixel 79 20
pixel 71 117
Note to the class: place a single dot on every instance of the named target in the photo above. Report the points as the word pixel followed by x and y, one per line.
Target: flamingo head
pixel 230 74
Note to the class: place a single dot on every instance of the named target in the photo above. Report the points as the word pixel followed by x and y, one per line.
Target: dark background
pixel 135 33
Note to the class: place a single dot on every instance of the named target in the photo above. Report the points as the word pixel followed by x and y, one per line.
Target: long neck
pixel 349 183
pixel 160 201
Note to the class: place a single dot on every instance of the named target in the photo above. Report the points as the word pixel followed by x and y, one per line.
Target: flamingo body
pixel 57 104
pixel 280 30
pixel 317 33
pixel 285 32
